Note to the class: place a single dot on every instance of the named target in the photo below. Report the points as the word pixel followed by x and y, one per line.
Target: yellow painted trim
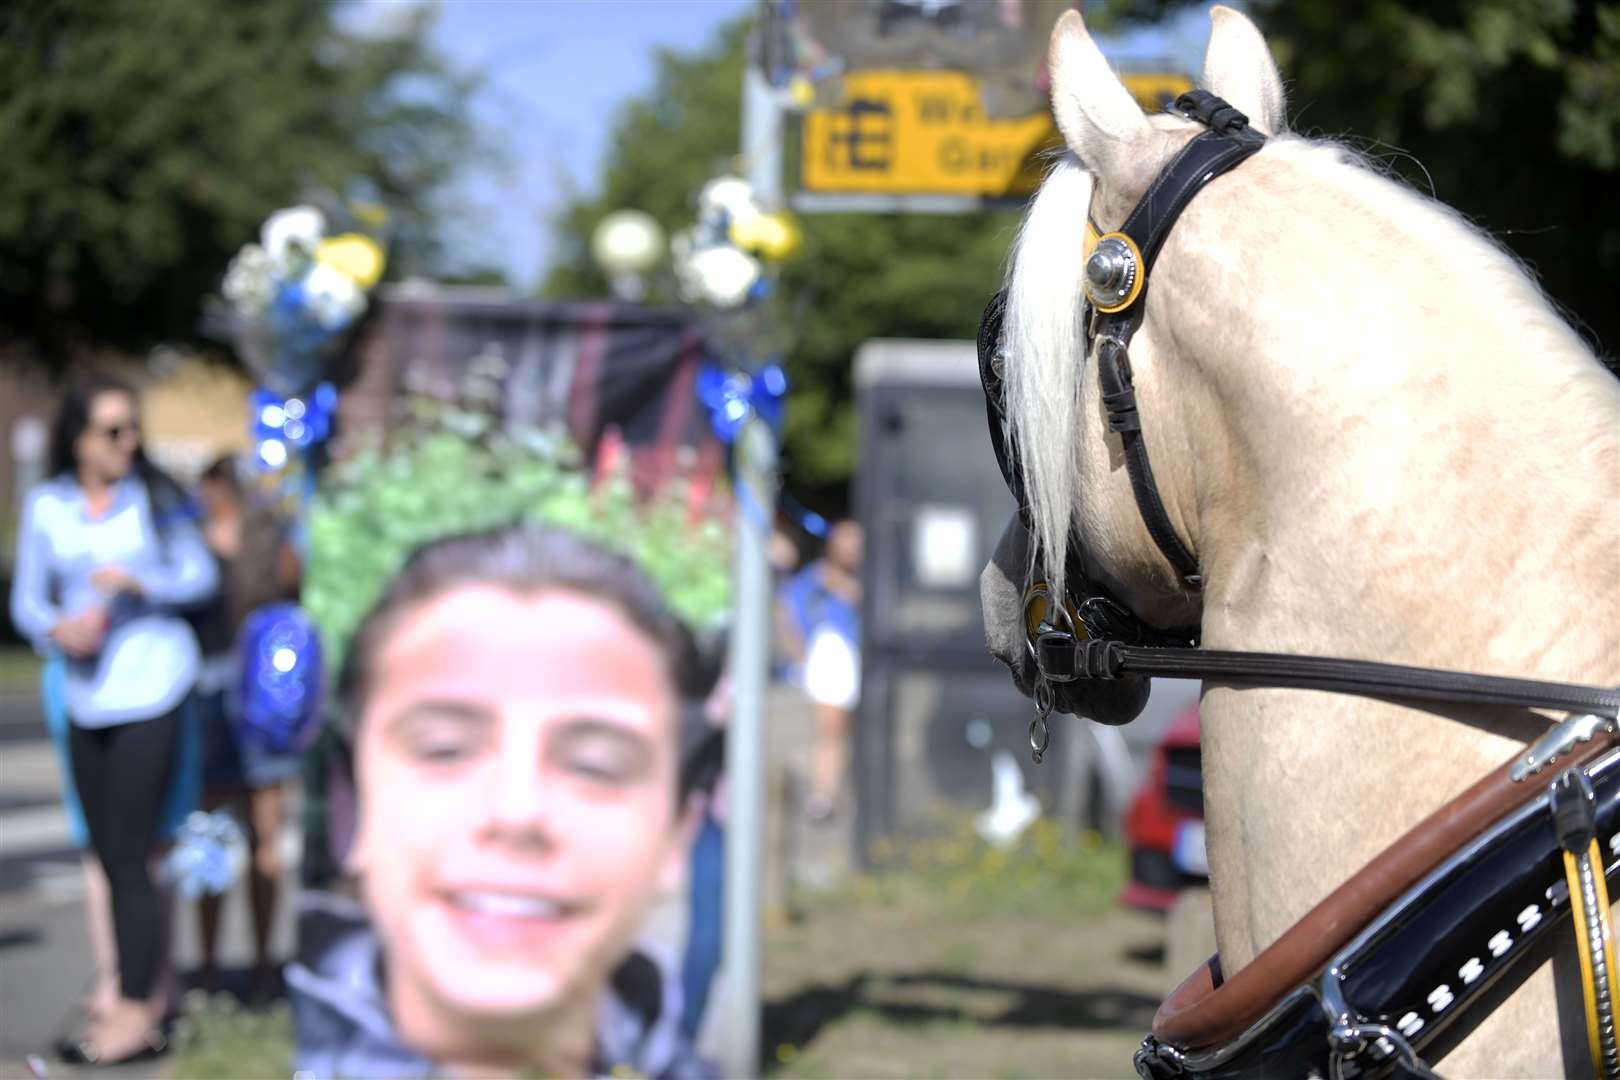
pixel 1577 910
pixel 1136 286
pixel 1092 236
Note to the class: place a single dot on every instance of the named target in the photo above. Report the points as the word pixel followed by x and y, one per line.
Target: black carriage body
pixel 1433 966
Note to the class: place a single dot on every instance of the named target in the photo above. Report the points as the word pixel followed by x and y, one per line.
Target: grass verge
pixel 216 1037
pixel 959 958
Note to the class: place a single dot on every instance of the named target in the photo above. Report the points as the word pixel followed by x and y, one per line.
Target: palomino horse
pixel 1379 441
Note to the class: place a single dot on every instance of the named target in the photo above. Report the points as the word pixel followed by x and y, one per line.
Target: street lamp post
pixel 756 470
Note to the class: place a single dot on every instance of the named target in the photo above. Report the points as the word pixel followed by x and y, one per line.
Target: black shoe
pixel 82 1051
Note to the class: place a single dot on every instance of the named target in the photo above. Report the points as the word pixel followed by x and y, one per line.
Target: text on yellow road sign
pixel 926 132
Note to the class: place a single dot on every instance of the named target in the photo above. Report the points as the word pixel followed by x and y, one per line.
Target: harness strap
pixel 1200 161
pixel 1063 658
pixel 1119 397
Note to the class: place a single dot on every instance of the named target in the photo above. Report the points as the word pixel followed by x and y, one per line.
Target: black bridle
pixel 1090 635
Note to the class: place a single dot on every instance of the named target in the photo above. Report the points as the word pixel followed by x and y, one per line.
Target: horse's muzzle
pixel 1115 701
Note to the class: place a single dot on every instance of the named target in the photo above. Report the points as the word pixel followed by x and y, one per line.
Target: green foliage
pixel 971 878
pixel 868 276
pixel 146 140
pixel 1510 107
pixel 452 470
pixel 1508 110
pixel 858 277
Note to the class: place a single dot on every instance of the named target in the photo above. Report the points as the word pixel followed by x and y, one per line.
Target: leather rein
pixel 1094 636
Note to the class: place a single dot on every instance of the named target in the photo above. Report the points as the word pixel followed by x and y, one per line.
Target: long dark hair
pixel 526 558
pixel 167 497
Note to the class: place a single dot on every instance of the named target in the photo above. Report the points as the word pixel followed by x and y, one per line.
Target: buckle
pixel 1057 656
pixel 1039 604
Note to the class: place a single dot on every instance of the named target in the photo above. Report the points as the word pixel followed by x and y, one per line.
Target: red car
pixel 1164 826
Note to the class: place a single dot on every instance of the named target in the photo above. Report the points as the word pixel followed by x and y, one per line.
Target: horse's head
pixel 1079 498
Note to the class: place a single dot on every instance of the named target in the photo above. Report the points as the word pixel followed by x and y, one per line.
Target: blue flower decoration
pixel 207 856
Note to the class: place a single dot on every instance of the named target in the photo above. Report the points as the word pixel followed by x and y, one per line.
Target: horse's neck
pixel 1401 530
pixel 1426 473
pixel 1384 476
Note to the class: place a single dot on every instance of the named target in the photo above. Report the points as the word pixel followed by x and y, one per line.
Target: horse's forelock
pixel 1043 343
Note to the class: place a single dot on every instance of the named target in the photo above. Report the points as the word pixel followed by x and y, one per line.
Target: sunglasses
pixel 117 432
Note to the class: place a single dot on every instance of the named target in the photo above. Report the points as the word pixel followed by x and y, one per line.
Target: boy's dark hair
pixel 526 558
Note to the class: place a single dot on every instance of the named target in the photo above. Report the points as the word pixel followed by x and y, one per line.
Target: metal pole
pixel 756 464
pixel 745 753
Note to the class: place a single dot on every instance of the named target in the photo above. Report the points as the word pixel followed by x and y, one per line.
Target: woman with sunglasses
pixel 106 556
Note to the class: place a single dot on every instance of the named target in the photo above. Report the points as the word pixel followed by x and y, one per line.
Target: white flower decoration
pixel 250 281
pixel 720 276
pixel 333 297
pixel 726 200
pixel 291 236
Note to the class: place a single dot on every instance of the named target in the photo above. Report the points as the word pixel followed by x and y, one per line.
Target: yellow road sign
pixel 926 133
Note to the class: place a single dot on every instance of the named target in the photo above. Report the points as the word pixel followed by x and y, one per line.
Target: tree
pixel 1510 109
pixel 1507 110
pixel 859 276
pixel 147 139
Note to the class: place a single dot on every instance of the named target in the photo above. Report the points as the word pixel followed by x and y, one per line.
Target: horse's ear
pixel 1238 67
pixel 1097 115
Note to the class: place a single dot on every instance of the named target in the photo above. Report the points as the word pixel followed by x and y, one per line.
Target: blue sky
pixel 555 70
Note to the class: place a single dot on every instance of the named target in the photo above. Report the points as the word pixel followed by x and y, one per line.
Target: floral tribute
pixel 295 297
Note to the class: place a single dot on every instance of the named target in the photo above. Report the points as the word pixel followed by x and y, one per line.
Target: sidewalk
pixel 44 949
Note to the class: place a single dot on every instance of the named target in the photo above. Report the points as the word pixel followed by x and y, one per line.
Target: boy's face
pixel 517 769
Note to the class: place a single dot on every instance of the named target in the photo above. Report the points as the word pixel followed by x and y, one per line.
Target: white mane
pixel 1042 340
pixel 1043 334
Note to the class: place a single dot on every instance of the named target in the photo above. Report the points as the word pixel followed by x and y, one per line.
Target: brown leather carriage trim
pixel 1199 1014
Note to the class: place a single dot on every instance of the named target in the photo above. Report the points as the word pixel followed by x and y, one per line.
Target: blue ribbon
pixel 808 520
pixel 732 398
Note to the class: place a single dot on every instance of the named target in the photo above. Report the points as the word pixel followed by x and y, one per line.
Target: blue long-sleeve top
pixel 149 659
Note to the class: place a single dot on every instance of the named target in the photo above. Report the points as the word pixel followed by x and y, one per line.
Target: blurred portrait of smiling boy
pixel 516 700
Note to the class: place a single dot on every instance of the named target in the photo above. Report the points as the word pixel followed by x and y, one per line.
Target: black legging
pixel 122 773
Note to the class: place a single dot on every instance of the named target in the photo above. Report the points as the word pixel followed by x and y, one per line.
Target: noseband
pixel 1088 634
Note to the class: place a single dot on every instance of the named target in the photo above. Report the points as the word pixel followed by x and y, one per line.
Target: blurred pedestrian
pixel 106 556
pixel 515 702
pixel 257 565
pixel 821 612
